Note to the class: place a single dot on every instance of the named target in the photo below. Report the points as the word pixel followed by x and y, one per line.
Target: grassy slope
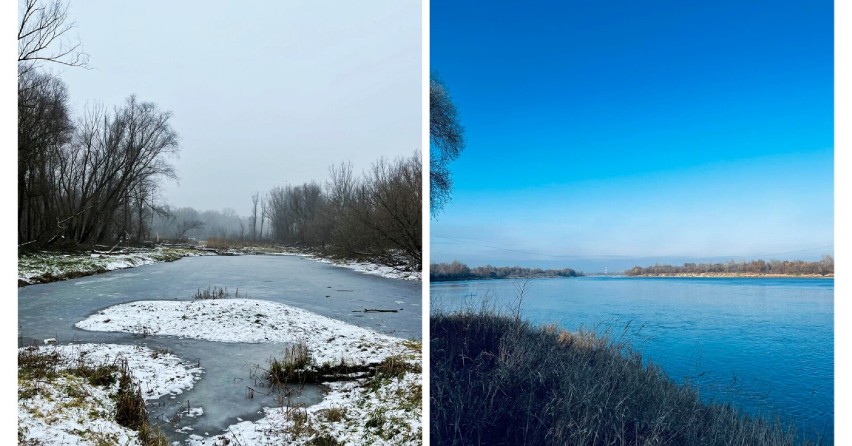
pixel 495 380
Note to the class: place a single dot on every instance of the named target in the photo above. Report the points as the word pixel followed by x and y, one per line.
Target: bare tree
pixel 111 156
pixel 263 214
pixel 42 36
pixel 255 198
pixel 446 136
pixel 44 127
pixel 389 204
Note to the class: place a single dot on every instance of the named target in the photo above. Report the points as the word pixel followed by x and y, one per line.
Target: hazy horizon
pixel 619 264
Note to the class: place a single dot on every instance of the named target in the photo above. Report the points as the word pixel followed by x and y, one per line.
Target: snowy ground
pixel 68 409
pixel 248 320
pixel 46 267
pixel 351 413
pixel 374 269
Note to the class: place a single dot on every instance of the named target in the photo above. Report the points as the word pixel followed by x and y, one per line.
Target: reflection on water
pixel 767 345
pixel 51 310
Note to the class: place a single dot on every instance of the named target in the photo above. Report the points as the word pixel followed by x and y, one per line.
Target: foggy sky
pixel 262 94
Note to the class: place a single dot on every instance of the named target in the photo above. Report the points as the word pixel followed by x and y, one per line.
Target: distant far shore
pixel 543 276
pixel 737 275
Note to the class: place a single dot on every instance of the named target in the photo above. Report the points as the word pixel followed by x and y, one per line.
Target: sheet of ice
pixel 250 321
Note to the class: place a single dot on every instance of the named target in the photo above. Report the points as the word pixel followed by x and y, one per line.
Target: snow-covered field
pixel 68 409
pixel 248 320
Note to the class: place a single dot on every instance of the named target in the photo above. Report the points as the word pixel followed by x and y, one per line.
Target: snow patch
pixel 249 321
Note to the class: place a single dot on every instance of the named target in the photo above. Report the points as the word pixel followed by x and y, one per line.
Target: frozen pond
pixel 51 310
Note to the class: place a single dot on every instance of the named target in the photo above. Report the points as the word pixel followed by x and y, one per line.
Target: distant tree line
pixel 376 216
pixel 822 267
pixel 93 179
pixel 442 272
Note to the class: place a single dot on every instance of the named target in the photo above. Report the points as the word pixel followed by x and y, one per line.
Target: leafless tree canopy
pixel 92 182
pixel 376 217
pixel 42 36
pixel 446 136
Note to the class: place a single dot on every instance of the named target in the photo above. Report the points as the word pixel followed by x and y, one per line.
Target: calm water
pixel 51 310
pixel 766 345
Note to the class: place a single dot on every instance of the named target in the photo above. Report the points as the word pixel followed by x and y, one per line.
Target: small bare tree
pixel 255 198
pixel 522 286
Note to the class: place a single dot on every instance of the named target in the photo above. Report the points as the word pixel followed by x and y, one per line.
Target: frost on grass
pixel 66 394
pixel 375 269
pixel 69 410
pixel 157 372
pixel 251 321
pixel 46 267
pixel 384 409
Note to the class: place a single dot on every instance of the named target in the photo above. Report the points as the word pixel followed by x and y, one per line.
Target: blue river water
pixel 764 345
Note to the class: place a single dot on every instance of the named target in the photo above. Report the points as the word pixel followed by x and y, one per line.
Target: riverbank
pixel 561 387
pixel 52 266
pixel 736 275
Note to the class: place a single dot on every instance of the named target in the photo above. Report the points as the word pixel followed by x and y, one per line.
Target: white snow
pixel 380 418
pixel 157 373
pixel 250 321
pixel 374 269
pixel 69 410
pixel 49 266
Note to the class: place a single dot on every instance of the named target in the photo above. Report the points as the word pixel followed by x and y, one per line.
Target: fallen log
pixel 376 310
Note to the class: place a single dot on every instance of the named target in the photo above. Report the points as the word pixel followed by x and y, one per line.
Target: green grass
pixel 498 380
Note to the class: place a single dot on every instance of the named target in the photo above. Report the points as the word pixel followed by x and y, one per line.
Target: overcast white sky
pixel 262 93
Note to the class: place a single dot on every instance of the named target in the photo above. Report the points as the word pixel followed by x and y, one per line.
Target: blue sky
pixel 615 133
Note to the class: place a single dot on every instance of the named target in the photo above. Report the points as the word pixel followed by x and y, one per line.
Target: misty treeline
pixel 84 179
pixel 822 267
pixel 188 224
pixel 441 272
pixel 375 216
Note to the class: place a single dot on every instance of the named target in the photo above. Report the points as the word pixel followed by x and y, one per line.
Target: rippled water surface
pixel 51 310
pixel 766 345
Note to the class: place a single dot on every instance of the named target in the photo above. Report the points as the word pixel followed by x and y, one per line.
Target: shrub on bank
pixel 498 380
